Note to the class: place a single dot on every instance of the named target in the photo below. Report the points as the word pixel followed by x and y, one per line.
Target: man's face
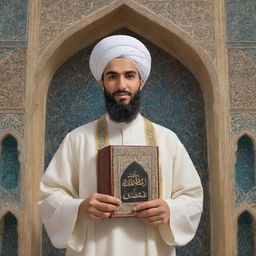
pixel 121 79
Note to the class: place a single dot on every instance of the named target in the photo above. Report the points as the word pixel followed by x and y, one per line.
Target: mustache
pixel 121 92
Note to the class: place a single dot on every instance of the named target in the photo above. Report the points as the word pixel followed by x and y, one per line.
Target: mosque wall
pixel 214 39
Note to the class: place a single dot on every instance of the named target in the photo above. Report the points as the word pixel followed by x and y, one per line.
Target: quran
pixel 129 173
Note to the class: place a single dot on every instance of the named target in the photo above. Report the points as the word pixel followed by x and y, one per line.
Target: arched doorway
pixel 167 37
pixel 172 97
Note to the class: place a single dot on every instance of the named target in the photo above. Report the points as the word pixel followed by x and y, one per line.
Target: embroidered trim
pixel 149 133
pixel 102 136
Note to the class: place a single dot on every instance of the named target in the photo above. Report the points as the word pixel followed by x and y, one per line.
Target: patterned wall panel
pixel 13 19
pixel 240 122
pixel 195 17
pixel 58 15
pixel 12 77
pixel 171 97
pixel 14 122
pixel 242 77
pixel 240 20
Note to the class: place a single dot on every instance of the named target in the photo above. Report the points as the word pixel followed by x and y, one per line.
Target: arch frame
pixel 168 37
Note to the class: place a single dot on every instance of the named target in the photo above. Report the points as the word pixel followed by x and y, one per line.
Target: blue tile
pixel 241 20
pixel 13 19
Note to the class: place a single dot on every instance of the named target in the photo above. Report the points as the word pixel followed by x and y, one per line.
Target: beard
pixel 119 112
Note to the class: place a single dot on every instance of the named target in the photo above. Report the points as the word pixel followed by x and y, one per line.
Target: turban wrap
pixel 120 46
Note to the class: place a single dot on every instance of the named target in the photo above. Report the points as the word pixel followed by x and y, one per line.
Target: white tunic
pixel 71 177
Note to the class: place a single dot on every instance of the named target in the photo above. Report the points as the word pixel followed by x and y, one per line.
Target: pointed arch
pixel 8 235
pixel 9 161
pixel 162 33
pixel 246 234
pixel 244 164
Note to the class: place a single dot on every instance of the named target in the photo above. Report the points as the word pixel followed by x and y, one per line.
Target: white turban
pixel 120 46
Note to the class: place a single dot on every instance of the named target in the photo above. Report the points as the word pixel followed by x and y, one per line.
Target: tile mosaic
pixel 12 77
pixel 14 122
pixel 242 77
pixel 240 20
pixel 241 121
pixel 13 19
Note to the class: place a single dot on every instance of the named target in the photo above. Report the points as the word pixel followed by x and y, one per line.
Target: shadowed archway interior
pixel 172 97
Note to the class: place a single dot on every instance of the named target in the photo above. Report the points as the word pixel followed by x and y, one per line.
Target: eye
pixel 130 75
pixel 112 76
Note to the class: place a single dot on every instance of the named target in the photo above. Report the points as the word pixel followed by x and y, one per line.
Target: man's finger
pixel 148 213
pixel 105 207
pixel 147 205
pixel 107 199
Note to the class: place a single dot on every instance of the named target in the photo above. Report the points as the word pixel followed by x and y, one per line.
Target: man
pixel 78 218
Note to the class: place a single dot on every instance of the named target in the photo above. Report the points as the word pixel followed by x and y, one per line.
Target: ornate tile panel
pixel 10 198
pixel 58 15
pixel 12 77
pixel 241 121
pixel 240 20
pixel 246 197
pixel 172 98
pixel 13 122
pixel 13 19
pixel 195 17
pixel 242 77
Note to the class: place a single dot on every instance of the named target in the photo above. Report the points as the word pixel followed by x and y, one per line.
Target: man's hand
pixel 98 206
pixel 155 212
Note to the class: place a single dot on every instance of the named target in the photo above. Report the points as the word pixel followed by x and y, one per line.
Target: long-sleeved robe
pixel 71 177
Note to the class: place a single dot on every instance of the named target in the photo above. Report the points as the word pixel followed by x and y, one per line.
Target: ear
pixel 141 84
pixel 101 83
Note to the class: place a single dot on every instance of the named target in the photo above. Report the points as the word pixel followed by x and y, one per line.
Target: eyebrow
pixel 116 73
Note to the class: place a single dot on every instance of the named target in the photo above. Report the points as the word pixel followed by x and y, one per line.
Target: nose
pixel 122 83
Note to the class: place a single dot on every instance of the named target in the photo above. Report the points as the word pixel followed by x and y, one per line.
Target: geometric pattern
pixel 14 122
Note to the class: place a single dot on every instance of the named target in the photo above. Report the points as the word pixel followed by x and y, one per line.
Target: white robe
pixel 71 177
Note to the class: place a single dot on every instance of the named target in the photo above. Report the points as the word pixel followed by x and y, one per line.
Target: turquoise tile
pixel 13 19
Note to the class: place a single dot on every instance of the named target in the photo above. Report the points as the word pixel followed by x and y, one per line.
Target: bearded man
pixel 75 216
